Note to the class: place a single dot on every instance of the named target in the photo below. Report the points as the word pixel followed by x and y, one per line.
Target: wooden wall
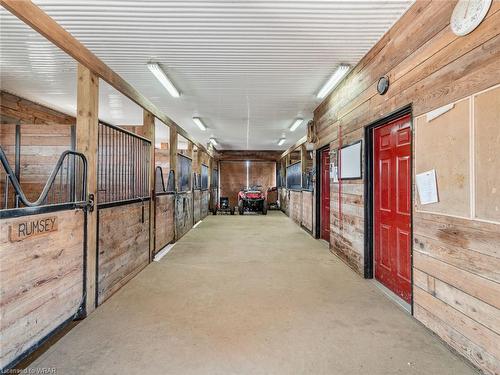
pixel 456 254
pixel 429 67
pixel 295 206
pixel 307 210
pixel 233 177
pixel 123 246
pixel 262 173
pixel 164 224
pixel 41 281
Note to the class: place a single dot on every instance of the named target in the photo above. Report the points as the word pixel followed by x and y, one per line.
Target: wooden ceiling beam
pixel 40 21
pixel 240 155
pixel 294 146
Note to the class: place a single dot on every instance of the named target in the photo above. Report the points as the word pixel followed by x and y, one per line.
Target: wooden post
pixel 283 171
pixel 190 154
pixel 87 123
pixel 173 155
pixel 303 162
pixel 199 160
pixel 210 167
pixel 148 131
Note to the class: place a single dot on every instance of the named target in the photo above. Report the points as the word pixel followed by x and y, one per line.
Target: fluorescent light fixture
pixel 164 80
pixel 281 141
pixel 296 124
pixel 213 141
pixel 200 123
pixel 333 81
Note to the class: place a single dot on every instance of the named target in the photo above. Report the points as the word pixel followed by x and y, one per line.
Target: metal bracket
pixel 90 203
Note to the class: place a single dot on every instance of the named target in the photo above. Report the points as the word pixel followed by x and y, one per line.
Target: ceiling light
pixel 333 81
pixel 213 141
pixel 281 141
pixel 296 124
pixel 164 80
pixel 200 124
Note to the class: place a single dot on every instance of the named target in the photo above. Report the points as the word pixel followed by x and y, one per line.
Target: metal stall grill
pixel 65 184
pixel 123 165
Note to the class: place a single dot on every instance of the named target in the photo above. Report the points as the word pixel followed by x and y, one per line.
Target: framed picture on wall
pixel 350 161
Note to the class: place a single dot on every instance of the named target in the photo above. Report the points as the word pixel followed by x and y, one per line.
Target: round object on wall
pixel 383 85
pixel 468 14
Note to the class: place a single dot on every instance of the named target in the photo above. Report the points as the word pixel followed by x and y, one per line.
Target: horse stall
pixel 196 205
pixel 205 194
pixel 123 208
pixel 183 213
pixel 42 227
pixel 164 210
pixel 184 202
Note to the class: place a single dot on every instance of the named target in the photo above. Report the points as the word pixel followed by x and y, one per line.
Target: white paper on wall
pixel 350 161
pixel 427 187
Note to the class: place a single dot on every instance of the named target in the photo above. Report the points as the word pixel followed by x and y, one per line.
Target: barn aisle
pixel 250 295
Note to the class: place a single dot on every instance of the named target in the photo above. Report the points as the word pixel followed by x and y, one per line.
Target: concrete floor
pixel 250 295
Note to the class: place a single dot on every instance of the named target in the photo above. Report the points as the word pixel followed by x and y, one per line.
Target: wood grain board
pixel 42 282
pixel 295 206
pixel 487 155
pixel 164 224
pixel 123 246
pixel 307 210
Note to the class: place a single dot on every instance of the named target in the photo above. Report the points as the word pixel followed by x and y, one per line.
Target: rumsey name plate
pixel 22 230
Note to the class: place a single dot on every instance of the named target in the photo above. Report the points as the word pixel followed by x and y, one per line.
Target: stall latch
pixel 89 206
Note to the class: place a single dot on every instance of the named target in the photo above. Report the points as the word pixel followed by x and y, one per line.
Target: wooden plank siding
pixel 307 210
pixel 123 246
pixel 455 259
pixel 295 206
pixel 42 282
pixel 164 224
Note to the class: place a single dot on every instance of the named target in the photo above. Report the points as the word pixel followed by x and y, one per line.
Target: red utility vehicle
pixel 252 199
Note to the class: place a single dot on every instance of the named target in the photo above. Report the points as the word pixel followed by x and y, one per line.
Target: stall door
pixel 392 205
pixel 325 195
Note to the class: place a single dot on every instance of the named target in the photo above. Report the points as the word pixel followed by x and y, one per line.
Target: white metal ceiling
pixel 247 68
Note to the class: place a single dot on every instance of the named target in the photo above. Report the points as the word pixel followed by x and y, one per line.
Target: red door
pixel 325 195
pixel 392 206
